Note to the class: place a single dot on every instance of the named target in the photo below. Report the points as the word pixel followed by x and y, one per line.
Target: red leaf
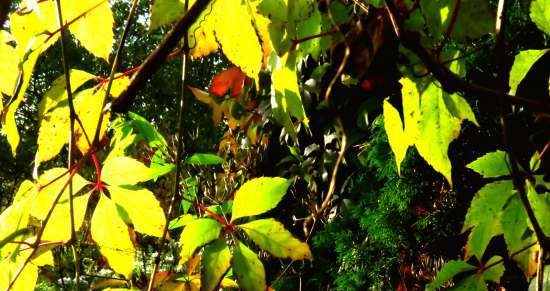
pixel 232 80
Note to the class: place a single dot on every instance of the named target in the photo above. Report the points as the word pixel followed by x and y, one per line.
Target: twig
pixel 114 66
pixel 153 61
pixel 449 81
pixel 179 155
pixel 450 29
pixel 344 62
pixel 332 186
pixel 72 116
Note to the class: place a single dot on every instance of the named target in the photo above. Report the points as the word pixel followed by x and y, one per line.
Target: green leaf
pixel 259 195
pixel 495 272
pixel 166 11
pixel 216 259
pixel 196 234
pixel 459 107
pixel 447 272
pixel 271 235
pixel 540 14
pixel 484 216
pixel 204 159
pixel 127 171
pixel 437 128
pixel 148 131
pixel 111 235
pixel 491 165
pixel 142 208
pixel 470 283
pixel 540 202
pixel 16 217
pixel 523 62
pixel 181 221
pixel 248 268
pixel 399 141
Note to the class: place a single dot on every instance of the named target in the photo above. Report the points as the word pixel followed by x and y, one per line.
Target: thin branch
pixel 332 186
pixel 347 52
pixel 179 156
pixel 449 81
pixel 72 116
pixel 450 29
pixel 154 60
pixel 296 42
pixel 114 66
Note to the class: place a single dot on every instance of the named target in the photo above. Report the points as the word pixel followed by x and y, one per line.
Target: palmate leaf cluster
pixel 103 200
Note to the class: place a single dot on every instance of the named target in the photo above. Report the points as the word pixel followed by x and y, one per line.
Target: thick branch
pixel 153 61
pixel 449 81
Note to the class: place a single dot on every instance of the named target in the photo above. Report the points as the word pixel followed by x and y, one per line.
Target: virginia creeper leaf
pixel 495 272
pixel 241 46
pixel 88 106
pixel 398 140
pixel 216 260
pixel 470 283
pixel 447 272
pixel 16 216
pixel 204 159
pixel 166 11
pixel 248 268
pixel 230 80
pixel 491 165
pixel 484 216
pixel 9 66
pixel 271 235
pixel 196 234
pixel 58 227
pixel 181 221
pixel 111 235
pixel 50 189
pixel 540 14
pixel 523 62
pixel 259 195
pixel 128 171
pixel 142 208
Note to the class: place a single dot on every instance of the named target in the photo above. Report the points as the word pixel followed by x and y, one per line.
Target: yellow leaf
pixel 58 227
pixel 111 235
pixel 201 37
pixel 397 138
pixel 196 234
pixel 88 106
pixel 128 171
pixel 51 183
pixel 142 207
pixel 53 134
pixel 9 66
pixel 237 36
pixel 271 235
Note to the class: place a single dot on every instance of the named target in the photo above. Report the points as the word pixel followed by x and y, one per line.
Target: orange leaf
pixel 232 79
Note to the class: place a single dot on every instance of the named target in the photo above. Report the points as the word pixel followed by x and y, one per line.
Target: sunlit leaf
pixel 58 227
pixel 142 208
pixel 398 140
pixel 259 195
pixel 88 107
pixel 16 216
pixel 491 165
pixel 110 233
pixel 540 14
pixel 248 268
pixel 181 221
pixel 196 234
pixel 523 62
pixel 94 29
pixel 9 68
pixel 447 272
pixel 204 159
pixel 241 46
pixel 216 260
pixel 484 216
pixel 271 235
pixel 128 171
pixel 51 183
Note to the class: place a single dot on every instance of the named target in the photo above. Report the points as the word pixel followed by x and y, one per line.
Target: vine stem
pixel 114 66
pixel 72 117
pixel 179 156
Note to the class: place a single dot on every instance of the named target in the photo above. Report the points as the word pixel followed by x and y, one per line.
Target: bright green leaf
pixel 447 272
pixel 216 259
pixel 491 165
pixel 286 90
pixel 142 208
pixel 459 107
pixel 181 221
pixel 523 62
pixel 484 216
pixel 271 235
pixel 398 140
pixel 248 268
pixel 540 14
pixel 204 159
pixel 259 195
pixel 196 234
pixel 128 171
pixel 111 235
